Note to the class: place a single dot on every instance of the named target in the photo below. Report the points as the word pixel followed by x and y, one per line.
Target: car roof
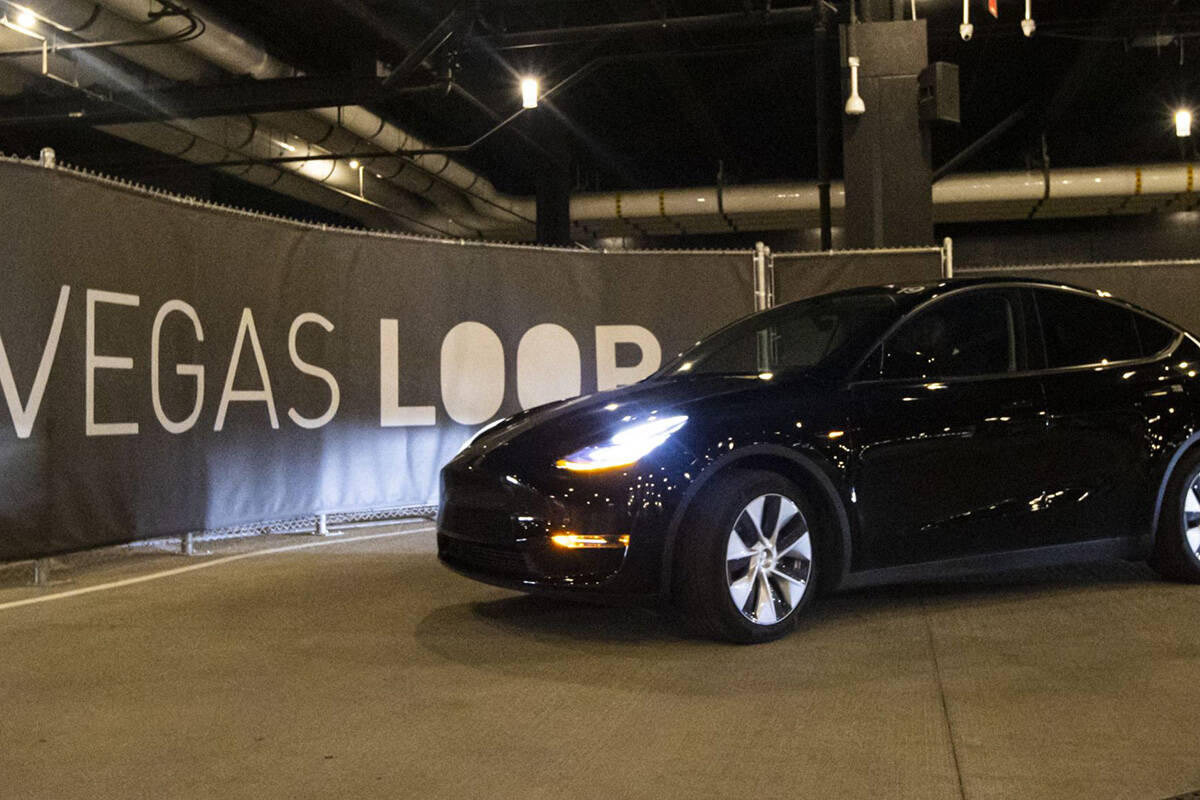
pixel 910 294
pixel 913 293
pixel 927 289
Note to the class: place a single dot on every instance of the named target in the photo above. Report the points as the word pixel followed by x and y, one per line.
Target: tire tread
pixel 1171 557
pixel 694 583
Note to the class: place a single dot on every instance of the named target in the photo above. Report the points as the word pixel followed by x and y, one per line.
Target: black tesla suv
pixel 874 435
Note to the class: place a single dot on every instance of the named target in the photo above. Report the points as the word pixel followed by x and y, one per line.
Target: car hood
pixel 569 424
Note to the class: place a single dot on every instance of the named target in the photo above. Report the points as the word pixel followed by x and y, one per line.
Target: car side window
pixel 1154 335
pixel 1078 330
pixel 960 336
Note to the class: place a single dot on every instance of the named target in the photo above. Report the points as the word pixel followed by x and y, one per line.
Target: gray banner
pixel 168 367
pixel 1171 289
pixel 800 275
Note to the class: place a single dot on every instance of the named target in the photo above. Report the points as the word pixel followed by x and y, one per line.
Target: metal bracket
pixel 321 526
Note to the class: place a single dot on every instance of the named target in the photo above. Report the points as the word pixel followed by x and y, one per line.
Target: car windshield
pixel 825 333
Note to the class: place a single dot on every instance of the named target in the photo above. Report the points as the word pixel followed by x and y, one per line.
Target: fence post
pixel 947 257
pixel 186 546
pixel 770 279
pixel 321 526
pixel 41 572
pixel 764 277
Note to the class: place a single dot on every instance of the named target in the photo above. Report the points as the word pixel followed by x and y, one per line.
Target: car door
pixel 949 435
pixel 1102 395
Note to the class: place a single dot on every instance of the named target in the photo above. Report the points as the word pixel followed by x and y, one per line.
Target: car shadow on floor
pixel 554 619
pixel 877 635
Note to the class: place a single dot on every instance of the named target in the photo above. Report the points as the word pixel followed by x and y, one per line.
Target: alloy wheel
pixel 768 557
pixel 1191 516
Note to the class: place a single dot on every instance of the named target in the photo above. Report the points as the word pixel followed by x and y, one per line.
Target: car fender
pixel 812 466
pixel 1180 450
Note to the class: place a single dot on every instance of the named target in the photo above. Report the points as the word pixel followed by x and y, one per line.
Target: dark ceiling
pixel 1098 81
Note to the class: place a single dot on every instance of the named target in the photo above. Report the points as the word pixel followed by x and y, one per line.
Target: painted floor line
pixel 204 565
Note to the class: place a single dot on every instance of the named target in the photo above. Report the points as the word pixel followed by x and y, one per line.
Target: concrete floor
pixel 362 668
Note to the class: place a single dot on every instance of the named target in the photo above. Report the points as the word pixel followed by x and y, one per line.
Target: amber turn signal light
pixel 577 541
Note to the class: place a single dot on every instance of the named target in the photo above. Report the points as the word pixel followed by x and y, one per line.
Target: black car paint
pixel 1030 467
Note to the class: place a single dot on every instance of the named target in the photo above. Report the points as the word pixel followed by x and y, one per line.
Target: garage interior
pixel 445 159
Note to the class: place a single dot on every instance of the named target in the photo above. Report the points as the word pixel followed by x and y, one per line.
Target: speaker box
pixel 938 93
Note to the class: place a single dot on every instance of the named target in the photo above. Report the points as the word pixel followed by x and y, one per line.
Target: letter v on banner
pixel 23 417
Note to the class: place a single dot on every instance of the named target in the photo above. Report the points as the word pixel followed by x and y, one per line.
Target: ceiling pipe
pixel 484 207
pixel 398 171
pixel 183 145
pixel 1098 191
pixel 480 193
pixel 754 20
pixel 967 197
pixel 333 184
pixel 220 44
pixel 106 26
pixel 234 136
pixel 228 51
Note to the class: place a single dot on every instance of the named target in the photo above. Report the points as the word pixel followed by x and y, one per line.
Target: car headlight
pixel 626 446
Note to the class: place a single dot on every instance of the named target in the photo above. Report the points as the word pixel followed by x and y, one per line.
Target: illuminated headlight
pixel 626 447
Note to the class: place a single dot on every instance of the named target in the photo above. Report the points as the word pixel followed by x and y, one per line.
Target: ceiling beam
pixel 190 102
pixel 707 22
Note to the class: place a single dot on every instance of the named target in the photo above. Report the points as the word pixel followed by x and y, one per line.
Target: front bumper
pixel 498 528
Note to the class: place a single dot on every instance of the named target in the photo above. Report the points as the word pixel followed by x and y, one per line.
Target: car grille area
pixel 480 557
pixel 490 528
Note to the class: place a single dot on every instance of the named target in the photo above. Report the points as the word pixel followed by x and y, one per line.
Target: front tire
pixel 1177 542
pixel 746 560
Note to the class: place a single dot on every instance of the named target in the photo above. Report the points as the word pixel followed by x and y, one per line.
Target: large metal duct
pixel 462 194
pixel 335 138
pixel 1098 191
pixel 94 23
pixel 347 194
pixel 470 203
pixel 184 145
pixel 217 139
pixel 322 183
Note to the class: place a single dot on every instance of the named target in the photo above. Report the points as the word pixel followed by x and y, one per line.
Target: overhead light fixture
pixel 1028 26
pixel 966 30
pixel 353 163
pixel 1183 123
pixel 854 103
pixel 530 89
pixel 289 147
pixel 23 22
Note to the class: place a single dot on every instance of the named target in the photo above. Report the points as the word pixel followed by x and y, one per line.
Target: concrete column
pixel 552 183
pixel 889 199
